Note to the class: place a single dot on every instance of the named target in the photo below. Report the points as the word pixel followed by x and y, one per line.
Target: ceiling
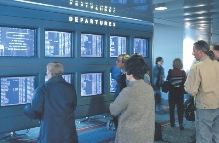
pixel 196 14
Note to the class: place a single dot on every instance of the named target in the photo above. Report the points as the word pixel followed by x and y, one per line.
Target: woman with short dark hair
pixel 135 105
pixel 158 78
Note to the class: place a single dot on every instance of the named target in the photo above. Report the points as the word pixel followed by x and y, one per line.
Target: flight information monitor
pixel 67 77
pixel 113 84
pixel 58 44
pixel 17 90
pixel 91 45
pixel 91 84
pixel 17 42
pixel 117 46
pixel 141 46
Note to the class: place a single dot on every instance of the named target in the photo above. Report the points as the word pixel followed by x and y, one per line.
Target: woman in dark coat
pixel 176 92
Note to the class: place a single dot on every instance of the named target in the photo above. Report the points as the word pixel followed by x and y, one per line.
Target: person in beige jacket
pixel 135 105
pixel 203 83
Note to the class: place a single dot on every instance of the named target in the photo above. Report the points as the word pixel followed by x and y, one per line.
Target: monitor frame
pixel 102 84
pixel 18 76
pixel 34 41
pixel 147 46
pixel 102 41
pixel 118 36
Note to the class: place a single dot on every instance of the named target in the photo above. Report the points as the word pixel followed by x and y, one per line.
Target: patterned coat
pixel 135 107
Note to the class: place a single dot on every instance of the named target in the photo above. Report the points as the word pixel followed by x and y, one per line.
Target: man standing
pixel 53 104
pixel 202 82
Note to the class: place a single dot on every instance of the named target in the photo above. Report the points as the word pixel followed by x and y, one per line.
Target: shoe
pixel 181 127
pixel 172 125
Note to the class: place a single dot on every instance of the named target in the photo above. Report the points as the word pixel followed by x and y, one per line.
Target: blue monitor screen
pixel 17 90
pixel 141 46
pixel 91 45
pixel 58 44
pixel 16 42
pixel 67 77
pixel 117 46
pixel 113 84
pixel 91 84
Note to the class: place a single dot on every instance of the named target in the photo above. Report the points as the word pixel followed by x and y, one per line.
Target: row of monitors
pixel 20 90
pixel 21 42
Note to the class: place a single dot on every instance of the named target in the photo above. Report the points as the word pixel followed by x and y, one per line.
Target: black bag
pixel 165 86
pixel 158 132
pixel 190 109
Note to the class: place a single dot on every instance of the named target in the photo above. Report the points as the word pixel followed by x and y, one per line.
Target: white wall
pixel 168 43
pixel 215 38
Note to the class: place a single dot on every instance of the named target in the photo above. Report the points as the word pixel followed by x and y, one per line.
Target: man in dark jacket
pixel 53 104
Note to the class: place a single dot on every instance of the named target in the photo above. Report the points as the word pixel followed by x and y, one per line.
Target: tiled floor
pixel 86 130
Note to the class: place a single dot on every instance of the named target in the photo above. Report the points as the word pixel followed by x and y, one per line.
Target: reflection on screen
pixel 57 44
pixel 91 45
pixel 91 84
pixel 16 42
pixel 17 90
pixel 67 78
pixel 117 46
pixel 113 84
pixel 141 46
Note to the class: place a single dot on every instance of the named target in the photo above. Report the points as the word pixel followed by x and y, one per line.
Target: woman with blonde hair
pixel 177 77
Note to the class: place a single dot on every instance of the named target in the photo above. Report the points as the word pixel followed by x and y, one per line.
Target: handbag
pixel 190 109
pixel 165 86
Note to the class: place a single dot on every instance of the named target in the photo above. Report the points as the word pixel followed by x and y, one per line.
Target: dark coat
pixel 54 103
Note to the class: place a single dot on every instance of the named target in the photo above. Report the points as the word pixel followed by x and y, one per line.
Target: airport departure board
pixel 91 45
pixel 117 46
pixel 17 90
pixel 17 42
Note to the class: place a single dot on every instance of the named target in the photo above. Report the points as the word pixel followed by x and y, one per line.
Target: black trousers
pixel 115 120
pixel 176 98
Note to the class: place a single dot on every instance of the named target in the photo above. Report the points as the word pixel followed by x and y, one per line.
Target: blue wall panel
pixel 41 19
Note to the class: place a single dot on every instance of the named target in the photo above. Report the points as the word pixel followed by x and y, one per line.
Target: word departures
pixel 91 21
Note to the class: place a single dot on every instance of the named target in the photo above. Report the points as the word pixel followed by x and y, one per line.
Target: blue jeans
pixel 207 125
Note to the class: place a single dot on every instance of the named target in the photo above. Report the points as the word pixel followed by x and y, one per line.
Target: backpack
pixel 190 109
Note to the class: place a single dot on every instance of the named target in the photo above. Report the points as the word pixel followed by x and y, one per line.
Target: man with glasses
pixel 202 82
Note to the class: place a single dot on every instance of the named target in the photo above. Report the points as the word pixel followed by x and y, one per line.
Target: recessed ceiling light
pixel 161 8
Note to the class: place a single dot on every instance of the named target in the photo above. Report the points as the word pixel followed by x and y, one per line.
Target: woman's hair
pixel 202 45
pixel 136 66
pixel 177 63
pixel 159 59
pixel 124 57
pixel 56 68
